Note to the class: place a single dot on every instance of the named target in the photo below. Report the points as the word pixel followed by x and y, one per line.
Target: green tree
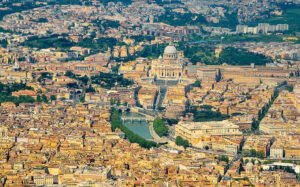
pixel 69 74
pixel 52 97
pixel 84 79
pixel 255 123
pixel 82 99
pixel 47 42
pixel 234 56
pixel 118 102
pixel 223 158
pixel 44 98
pixel 159 127
pixel 289 88
pixel 90 89
pixel 260 154
pixel 115 69
pixel 182 142
pixel 109 80
pixel 72 85
pixel 206 114
pixel 111 101
pixel 218 76
pixel 38 98
pixel 253 153
pixel 197 83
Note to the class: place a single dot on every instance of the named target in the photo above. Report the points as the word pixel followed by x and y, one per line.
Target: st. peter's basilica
pixel 170 66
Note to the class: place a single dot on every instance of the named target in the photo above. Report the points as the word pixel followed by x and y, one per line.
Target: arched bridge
pixel 146 118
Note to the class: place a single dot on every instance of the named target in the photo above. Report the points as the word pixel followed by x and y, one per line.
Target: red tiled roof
pixel 24 92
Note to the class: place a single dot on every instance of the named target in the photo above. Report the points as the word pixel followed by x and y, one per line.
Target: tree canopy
pixel 229 55
pixel 181 19
pixel 160 128
pixel 109 80
pixel 205 113
pixel 7 89
pixel 182 142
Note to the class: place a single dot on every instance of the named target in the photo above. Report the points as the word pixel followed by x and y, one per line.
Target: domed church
pixel 170 66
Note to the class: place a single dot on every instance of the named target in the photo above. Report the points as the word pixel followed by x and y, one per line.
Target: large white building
pixel 169 66
pixel 195 130
pixel 263 28
pixel 277 127
pixel 276 151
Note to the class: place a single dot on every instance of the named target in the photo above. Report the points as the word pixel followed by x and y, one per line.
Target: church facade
pixel 170 66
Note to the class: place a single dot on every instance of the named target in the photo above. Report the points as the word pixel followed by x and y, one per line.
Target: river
pixel 137 127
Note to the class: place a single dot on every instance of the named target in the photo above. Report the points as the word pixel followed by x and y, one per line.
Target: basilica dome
pixel 170 49
pixel 170 54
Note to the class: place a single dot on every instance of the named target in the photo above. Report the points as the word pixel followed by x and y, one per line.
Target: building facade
pixel 169 66
pixel 196 130
pixel 292 152
pixel 297 94
pixel 276 152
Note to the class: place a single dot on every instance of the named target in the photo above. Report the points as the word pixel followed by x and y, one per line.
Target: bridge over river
pixel 144 124
pixel 140 118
